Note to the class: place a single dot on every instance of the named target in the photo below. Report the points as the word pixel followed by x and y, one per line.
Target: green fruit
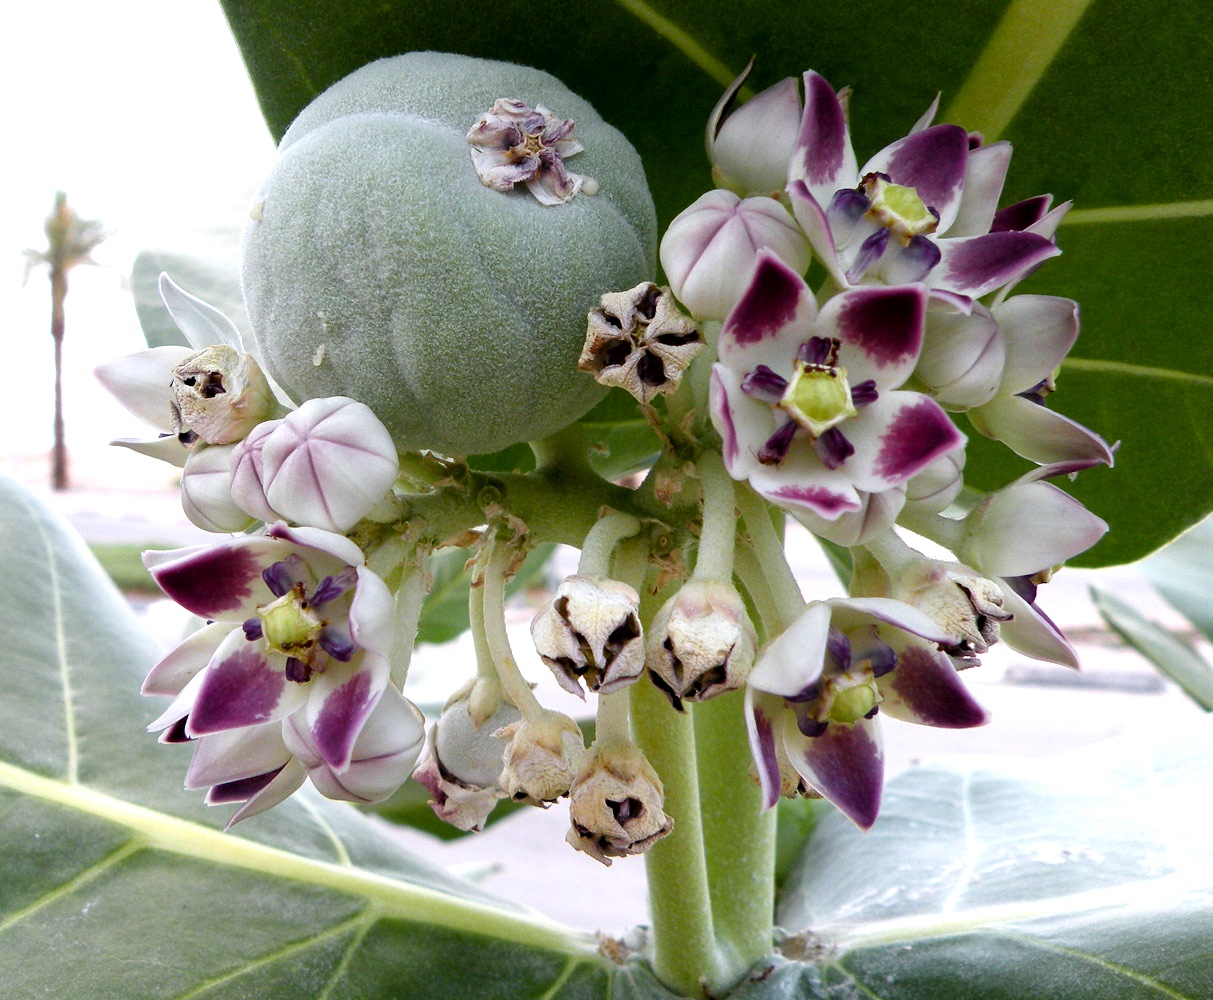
pixel 378 266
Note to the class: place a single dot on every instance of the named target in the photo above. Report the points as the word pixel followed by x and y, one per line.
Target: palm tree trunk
pixel 59 479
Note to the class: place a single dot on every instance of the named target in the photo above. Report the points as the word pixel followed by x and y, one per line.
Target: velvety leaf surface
pixel 1075 85
pixel 117 883
pixel 1083 876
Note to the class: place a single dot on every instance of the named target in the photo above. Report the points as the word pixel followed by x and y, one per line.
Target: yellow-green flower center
pixel 289 625
pixel 851 698
pixel 898 208
pixel 818 397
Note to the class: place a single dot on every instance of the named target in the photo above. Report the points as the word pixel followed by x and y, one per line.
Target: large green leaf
pixel 119 884
pixel 1065 80
pixel 1088 875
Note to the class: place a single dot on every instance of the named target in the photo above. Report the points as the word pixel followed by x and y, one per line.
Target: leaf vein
pixel 69 709
pixel 1107 366
pixel 368 921
pixel 1010 67
pixel 681 39
pixel 76 882
pixel 1113 967
pixel 285 951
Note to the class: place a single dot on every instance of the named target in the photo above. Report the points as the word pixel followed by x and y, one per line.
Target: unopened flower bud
pixel 591 631
pixel 326 464
pixel 750 146
pixel 206 495
pixel 935 487
pixel 617 804
pixel 701 643
pixel 963 356
pixel 248 480
pixel 220 395
pixel 542 757
pixel 640 341
pixel 710 249
pixel 463 763
pixel 958 599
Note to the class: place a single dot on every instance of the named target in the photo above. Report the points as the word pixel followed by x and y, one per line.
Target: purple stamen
pixel 278 578
pixel 848 203
pixel 776 448
pixel 864 393
pixel 881 659
pixel 872 713
pixel 297 670
pixel 921 254
pixel 808 725
pixel 332 587
pixel 765 384
pixel 870 251
pixel 833 448
pixel 819 352
pixel 810 692
pixel 252 629
pixel 1038 392
pixel 838 649
pixel 337 643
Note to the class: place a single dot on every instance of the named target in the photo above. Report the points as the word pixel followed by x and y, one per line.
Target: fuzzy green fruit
pixel 378 266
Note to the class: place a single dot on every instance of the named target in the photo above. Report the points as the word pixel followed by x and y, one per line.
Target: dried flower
pixel 590 631
pixel 701 643
pixel 513 143
pixel 616 804
pixel 640 341
pixel 542 758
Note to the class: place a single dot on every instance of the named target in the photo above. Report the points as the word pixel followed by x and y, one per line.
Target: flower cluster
pixel 836 405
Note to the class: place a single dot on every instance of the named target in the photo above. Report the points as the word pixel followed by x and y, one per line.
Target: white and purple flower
pixel 922 209
pixel 813 697
pixel 808 403
pixel 298 628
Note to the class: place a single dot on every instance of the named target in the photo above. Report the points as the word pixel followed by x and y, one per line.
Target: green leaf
pixel 1063 81
pixel 120 884
pixel 1087 875
pixel 1172 654
pixel 1183 574
pixel 208 269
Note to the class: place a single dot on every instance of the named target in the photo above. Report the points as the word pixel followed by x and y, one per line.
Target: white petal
pixel 141 382
pixel 1039 331
pixel 206 495
pixel 202 324
pixel 794 660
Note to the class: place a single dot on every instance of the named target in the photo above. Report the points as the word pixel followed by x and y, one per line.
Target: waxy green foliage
pixel 1073 85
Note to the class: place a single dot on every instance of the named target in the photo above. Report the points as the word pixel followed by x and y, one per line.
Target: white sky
pixel 142 112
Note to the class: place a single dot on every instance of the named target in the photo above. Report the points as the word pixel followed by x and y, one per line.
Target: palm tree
pixel 70 240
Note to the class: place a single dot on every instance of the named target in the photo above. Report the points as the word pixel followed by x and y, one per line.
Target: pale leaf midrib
pixel 680 39
pixel 1108 367
pixel 394 898
pixel 1124 898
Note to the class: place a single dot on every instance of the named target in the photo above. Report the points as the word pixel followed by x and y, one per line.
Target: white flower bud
pixel 617 804
pixel 247 479
pixel 750 146
pixel 590 631
pixel 710 248
pixel 935 487
pixel 701 643
pixel 542 757
pixel 325 465
pixel 206 495
pixel 962 358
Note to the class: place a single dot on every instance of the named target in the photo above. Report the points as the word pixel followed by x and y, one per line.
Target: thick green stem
pixel 739 837
pixel 768 547
pixel 685 956
pixel 715 558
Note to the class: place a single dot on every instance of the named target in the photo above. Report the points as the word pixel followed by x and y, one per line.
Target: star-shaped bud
pixel 617 803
